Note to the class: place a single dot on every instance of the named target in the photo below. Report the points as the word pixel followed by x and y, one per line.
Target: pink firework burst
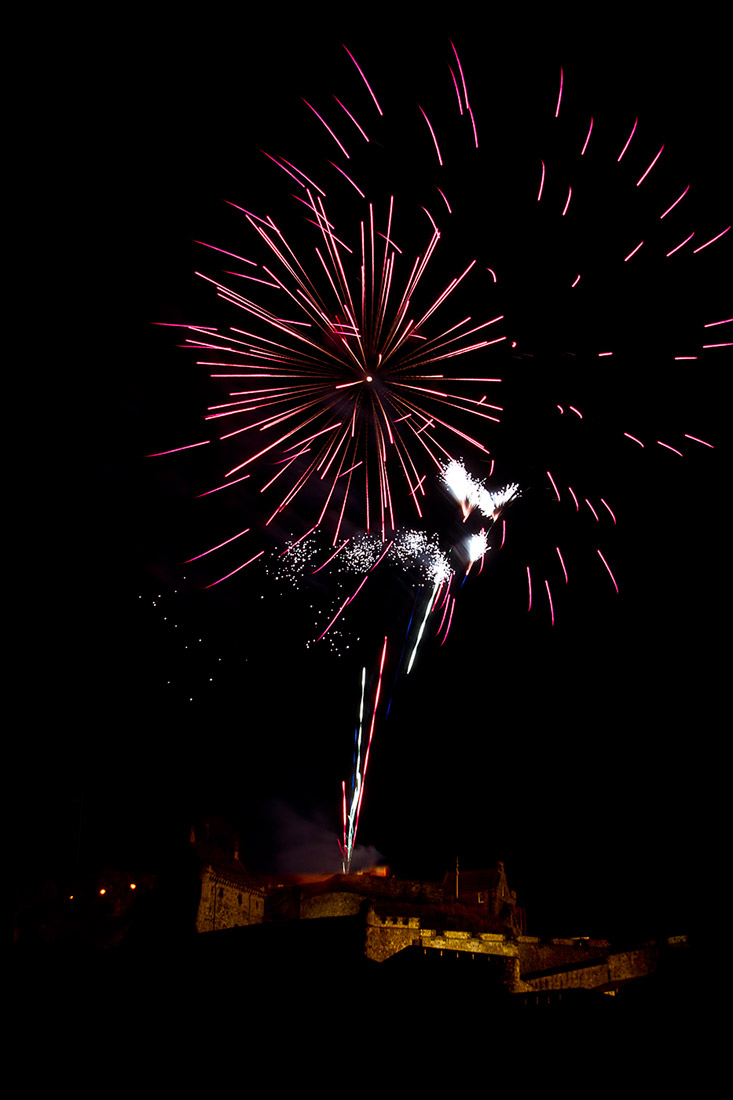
pixel 357 364
pixel 346 385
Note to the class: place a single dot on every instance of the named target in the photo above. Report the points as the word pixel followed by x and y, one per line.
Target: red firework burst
pixel 344 387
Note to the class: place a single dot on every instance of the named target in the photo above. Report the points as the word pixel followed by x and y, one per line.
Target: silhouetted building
pixel 229 896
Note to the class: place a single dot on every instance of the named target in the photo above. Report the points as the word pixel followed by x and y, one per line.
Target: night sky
pixel 586 755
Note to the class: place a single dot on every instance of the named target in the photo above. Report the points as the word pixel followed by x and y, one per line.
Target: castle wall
pixel 227 904
pixel 386 936
pixel 616 969
pixel 538 954
pixel 332 904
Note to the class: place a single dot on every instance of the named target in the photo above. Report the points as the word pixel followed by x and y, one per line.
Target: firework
pixel 341 574
pixel 344 386
pixel 352 806
pixel 344 390
pixel 359 369
pixel 471 493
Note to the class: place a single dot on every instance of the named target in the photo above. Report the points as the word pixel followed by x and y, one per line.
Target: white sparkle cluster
pixel 410 548
pixel 293 563
pixel 472 494
pixel 417 548
pixel 477 546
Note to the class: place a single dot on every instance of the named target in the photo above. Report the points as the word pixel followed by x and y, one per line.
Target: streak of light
pixel 432 131
pixel 677 247
pixel 226 485
pixel 173 450
pixel 213 548
pixel 428 608
pixel 562 563
pixel 224 251
pixel 328 560
pixel 549 597
pixel 628 141
pixel 450 620
pixel 664 215
pixel 348 112
pixel 608 567
pixel 559 94
pixel 347 177
pixel 463 79
pixel 633 252
pixel 258 555
pixel 642 178
pixel 321 119
pixel 361 74
pixel 716 238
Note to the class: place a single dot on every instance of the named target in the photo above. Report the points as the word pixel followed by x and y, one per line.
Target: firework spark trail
pixel 428 608
pixel 647 170
pixel 364 377
pixel 351 818
pixel 478 544
pixel 335 372
pixel 471 493
pixel 410 550
pixel 350 814
pixel 337 376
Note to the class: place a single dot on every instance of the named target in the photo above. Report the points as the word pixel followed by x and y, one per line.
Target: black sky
pixel 586 756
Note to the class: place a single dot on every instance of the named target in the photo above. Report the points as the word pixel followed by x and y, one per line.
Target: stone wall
pixel 226 903
pixel 607 973
pixel 536 954
pixel 385 936
pixel 333 904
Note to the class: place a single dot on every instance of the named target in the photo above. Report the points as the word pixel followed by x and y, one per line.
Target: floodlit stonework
pixel 230 897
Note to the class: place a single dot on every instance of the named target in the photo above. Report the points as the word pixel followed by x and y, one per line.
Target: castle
pixel 470 915
pixel 470 918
